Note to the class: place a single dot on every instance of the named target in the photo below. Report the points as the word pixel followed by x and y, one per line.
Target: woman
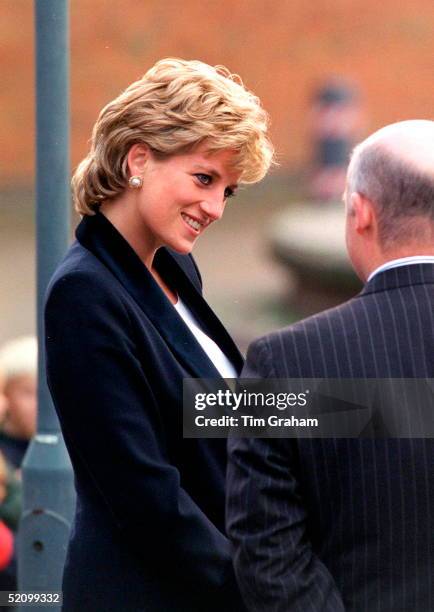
pixel 126 322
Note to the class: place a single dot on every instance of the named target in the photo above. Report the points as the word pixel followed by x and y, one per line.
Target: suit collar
pixel 403 276
pixel 402 261
pixel 169 265
pixel 99 236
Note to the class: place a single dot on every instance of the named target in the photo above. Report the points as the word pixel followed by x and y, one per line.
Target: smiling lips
pixel 193 223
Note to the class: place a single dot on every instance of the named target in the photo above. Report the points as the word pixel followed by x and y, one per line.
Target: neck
pixel 122 212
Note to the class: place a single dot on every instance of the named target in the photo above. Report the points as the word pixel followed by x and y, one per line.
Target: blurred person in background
pixel 10 511
pixel 18 363
pixel 3 400
pixel 335 124
pixel 18 366
pixel 126 322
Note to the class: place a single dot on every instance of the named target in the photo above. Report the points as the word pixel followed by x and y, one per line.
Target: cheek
pixel 347 236
pixel 24 402
pixel 160 203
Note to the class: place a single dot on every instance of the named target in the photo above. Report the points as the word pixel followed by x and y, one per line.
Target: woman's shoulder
pixel 80 275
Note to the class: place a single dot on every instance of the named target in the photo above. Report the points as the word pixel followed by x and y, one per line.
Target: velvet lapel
pixel 166 262
pixel 100 237
pixel 403 276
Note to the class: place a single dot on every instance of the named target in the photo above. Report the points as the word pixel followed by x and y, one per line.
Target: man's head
pixel 389 195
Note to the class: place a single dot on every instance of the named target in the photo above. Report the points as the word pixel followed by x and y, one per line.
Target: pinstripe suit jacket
pixel 340 524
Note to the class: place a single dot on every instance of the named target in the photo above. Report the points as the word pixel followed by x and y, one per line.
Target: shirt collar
pixel 402 261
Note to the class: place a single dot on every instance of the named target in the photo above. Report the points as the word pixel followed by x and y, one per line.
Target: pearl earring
pixel 135 181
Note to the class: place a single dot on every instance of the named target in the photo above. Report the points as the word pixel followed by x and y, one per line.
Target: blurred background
pixel 328 72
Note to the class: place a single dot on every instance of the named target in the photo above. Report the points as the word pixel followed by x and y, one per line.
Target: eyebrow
pixel 213 173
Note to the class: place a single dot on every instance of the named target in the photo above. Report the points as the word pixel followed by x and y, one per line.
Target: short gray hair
pixel 401 192
pixel 19 357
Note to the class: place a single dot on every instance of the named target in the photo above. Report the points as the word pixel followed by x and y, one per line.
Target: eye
pixel 205 179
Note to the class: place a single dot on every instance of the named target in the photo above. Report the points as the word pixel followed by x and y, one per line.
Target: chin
pixel 183 248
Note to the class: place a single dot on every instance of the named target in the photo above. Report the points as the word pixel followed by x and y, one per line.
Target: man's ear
pixel 363 212
pixel 136 159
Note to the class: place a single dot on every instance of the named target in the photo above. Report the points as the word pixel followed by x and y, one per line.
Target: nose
pixel 213 207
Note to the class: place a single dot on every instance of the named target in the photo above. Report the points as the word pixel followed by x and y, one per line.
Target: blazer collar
pixel 403 276
pixel 99 236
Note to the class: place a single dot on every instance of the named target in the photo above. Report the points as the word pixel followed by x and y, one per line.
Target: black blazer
pixel 332 525
pixel 149 529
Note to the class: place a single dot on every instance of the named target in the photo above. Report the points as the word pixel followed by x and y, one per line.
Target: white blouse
pixel 214 352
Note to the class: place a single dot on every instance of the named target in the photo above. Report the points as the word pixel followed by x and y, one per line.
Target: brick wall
pixel 281 48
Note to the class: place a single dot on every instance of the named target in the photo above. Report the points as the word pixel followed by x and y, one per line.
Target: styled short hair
pixel 174 107
pixel 402 194
pixel 19 357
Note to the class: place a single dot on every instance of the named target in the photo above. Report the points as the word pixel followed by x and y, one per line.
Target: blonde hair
pixel 174 107
pixel 19 357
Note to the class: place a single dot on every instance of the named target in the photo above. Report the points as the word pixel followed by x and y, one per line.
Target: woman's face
pixel 21 393
pixel 183 194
